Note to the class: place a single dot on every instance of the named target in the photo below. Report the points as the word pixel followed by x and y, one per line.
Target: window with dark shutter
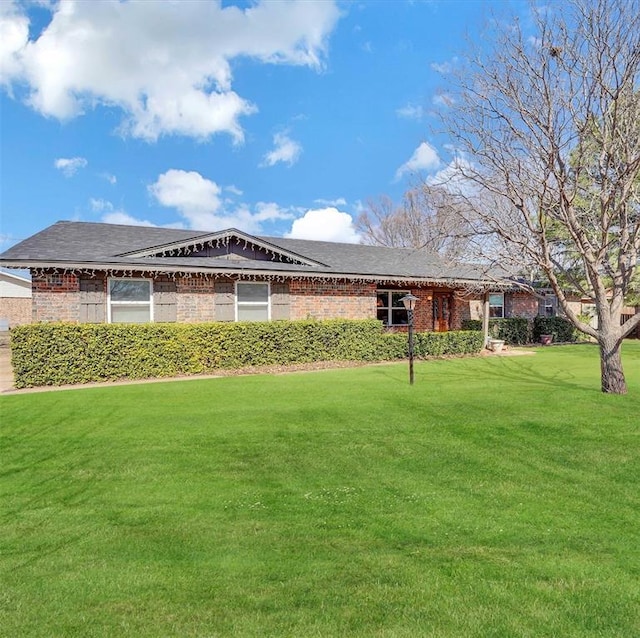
pixel 165 307
pixel 92 301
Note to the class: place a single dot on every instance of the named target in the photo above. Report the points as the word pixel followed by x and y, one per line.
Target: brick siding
pixel 195 299
pixel 15 310
pixel 343 300
pixel 521 304
pixel 460 311
pixel 56 297
pixel 423 314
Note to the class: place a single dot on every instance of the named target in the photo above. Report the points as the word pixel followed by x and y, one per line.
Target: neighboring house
pixel 15 300
pixel 89 272
pixel 627 313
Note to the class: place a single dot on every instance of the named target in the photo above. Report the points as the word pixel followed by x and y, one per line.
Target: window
pixel 391 310
pixel 496 305
pixel 130 301
pixel 550 304
pixel 252 302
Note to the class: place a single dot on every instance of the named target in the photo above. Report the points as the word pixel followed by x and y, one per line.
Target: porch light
pixel 409 302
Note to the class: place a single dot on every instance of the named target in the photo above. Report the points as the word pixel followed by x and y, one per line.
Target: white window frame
pixel 495 294
pixel 110 304
pixel 389 308
pixel 550 301
pixel 266 303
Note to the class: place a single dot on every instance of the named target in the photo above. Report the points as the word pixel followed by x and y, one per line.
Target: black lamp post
pixel 409 302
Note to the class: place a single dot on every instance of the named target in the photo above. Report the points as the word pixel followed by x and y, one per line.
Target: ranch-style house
pixel 94 272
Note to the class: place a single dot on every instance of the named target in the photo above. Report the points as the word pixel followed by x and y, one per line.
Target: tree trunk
pixel 611 372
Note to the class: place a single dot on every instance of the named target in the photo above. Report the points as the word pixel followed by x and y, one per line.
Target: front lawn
pixel 495 497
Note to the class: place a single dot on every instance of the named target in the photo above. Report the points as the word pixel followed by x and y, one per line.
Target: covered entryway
pixel 442 305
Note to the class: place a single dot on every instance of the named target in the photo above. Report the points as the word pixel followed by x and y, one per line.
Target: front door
pixel 441 312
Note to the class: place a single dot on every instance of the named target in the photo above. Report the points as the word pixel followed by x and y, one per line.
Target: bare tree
pixel 548 125
pixel 427 218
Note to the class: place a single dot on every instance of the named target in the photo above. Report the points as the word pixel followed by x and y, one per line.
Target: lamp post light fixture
pixel 409 302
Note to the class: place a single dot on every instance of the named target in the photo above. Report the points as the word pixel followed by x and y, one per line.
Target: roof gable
pixel 229 244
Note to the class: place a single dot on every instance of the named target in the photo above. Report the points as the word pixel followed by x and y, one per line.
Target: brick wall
pixel 343 300
pixel 521 304
pixel 56 297
pixel 198 299
pixel 15 310
pixel 423 314
pixel 195 299
pixel 460 311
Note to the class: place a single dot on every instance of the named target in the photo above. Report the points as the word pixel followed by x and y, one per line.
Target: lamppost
pixel 409 302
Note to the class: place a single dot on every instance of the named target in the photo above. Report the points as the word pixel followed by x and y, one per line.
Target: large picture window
pixel 496 305
pixel 130 301
pixel 391 310
pixel 252 302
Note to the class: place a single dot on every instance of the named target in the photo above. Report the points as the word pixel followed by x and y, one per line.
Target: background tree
pixel 548 121
pixel 426 218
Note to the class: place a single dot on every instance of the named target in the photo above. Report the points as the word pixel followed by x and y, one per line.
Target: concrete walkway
pixel 6 372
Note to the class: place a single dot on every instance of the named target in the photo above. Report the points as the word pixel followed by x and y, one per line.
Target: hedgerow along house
pixel 91 272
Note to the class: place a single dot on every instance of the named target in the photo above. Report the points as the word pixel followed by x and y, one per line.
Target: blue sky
pixel 279 118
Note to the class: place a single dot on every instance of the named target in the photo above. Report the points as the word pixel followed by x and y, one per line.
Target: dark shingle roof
pixel 85 244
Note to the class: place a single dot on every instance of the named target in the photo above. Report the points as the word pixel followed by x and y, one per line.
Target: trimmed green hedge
pixel 518 331
pixel 60 353
pixel 431 344
pixel 562 329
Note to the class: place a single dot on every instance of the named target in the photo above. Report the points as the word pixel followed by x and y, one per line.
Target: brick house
pixel 90 272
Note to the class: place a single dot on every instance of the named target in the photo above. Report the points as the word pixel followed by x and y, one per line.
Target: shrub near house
pixel 519 331
pixel 58 354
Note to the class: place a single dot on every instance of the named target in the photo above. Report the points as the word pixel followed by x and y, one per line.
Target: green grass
pixel 495 497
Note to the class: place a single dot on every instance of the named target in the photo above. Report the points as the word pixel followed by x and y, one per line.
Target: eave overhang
pixel 251 273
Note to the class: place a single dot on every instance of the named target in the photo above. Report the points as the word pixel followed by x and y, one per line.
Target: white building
pixel 15 300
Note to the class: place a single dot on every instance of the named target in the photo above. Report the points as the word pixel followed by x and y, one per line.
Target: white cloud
pixel 199 202
pixel 269 211
pixel 445 67
pixel 536 43
pixel 100 205
pixel 443 99
pixel 7 240
pixel 324 224
pixel 196 198
pixel 120 217
pixel 359 207
pixel 425 157
pixel 113 215
pixel 341 201
pixel 411 112
pixel 454 176
pixel 112 179
pixel 285 150
pixel 70 165
pixel 14 34
pixel 167 65
pixel 234 190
